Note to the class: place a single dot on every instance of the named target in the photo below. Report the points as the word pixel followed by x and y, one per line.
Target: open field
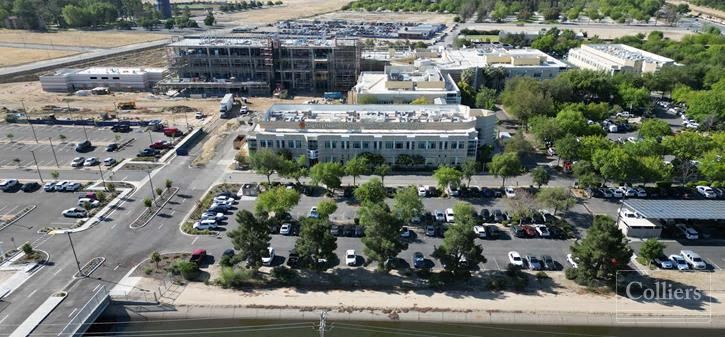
pixel 416 17
pixel 604 31
pixel 106 39
pixel 482 38
pixel 292 9
pixel 15 56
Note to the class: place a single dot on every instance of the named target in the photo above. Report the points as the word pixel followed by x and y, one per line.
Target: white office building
pixel 404 84
pixel 614 58
pixel 115 78
pixel 431 135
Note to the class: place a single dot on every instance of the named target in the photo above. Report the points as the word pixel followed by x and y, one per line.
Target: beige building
pixel 115 78
pixel 404 84
pixel 613 58
pixel 431 135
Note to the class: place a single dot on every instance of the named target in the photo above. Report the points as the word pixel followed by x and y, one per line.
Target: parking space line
pixel 114 269
pixel 73 312
pixel 715 264
pixel 194 241
pixel 58 272
pixel 161 225
pixel 96 288
pixel 496 261
pixel 32 293
pixel 4 318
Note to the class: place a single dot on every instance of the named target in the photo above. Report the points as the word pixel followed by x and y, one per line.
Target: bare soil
pixel 17 56
pixel 103 39
pixel 293 9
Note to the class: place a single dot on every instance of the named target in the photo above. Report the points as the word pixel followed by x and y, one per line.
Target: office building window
pixel 334 144
pixel 422 145
pixel 365 145
pixel 388 145
pixel 298 144
pixel 355 145
pixel 291 144
pixel 399 145
pixel 454 145
pixel 432 145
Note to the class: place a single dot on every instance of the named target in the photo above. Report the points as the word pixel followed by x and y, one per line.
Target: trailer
pixel 225 107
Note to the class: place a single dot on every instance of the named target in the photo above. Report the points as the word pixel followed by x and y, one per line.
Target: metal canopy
pixel 678 209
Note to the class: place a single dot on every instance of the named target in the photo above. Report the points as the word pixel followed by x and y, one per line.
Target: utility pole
pixel 151 140
pixel 53 149
pixel 36 167
pixel 323 327
pixel 80 272
pixel 102 179
pixel 27 119
pixel 84 129
pixel 151 182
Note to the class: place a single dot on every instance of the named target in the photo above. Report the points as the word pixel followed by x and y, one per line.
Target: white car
pixel 572 261
pixel 689 232
pixel 453 191
pixel 109 161
pixel 75 213
pixel 706 191
pixel 198 115
pixel 439 215
pixel 313 213
pixel 213 216
pixel 205 224
pixel 449 215
pixel 72 186
pixel 223 199
pixel 641 192
pixel 77 162
pixel 91 161
pixel 627 191
pixel 515 259
pixel 679 262
pixel 60 186
pixel 616 193
pixel 286 229
pixel 422 191
pixel 82 202
pixel 49 186
pixel 350 257
pixel 480 231
pixel 510 193
pixel 267 260
pixel 8 184
pixel 543 231
pixel 693 259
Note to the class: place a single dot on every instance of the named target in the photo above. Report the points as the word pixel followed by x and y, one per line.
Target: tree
pixel 209 20
pixel 654 128
pixel 519 145
pixel 572 122
pixel 546 129
pixel 382 170
pixel 295 169
pixel 266 162
pixel 407 204
pixel 524 98
pixel 54 175
pixel 155 258
pixel 168 183
pixel 540 176
pixel 486 99
pixel 169 24
pixel 601 253
pixel 356 167
pixel 447 176
pixel 147 202
pixel 615 164
pixel 459 251
pixel 382 233
pixel 686 146
pixel 634 98
pixel 251 239
pixel 557 198
pixel 371 191
pixel 326 207
pixel 27 249
pixel 329 174
pixel 567 148
pixel 505 165
pixel 316 244
pixel 650 249
pixel 468 169
pixel 712 165
pixel 279 200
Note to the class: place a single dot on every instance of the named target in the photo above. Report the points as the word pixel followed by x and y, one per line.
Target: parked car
pixel 109 161
pixel 641 192
pixel 616 193
pixel 606 193
pixel 518 231
pixel 453 191
pixel 90 161
pixel 693 259
pixel 358 231
pixel 77 161
pixel 60 186
pixel 198 115
pixel 510 192
pixel 515 259
pixel 480 231
pixel 84 146
pixel 286 229
pixel 548 263
pixel 405 233
pixel 350 257
pixel 218 217
pixel 430 230
pixel 499 216
pixel 572 261
pixel 75 212
pixel 530 231
pixel 450 217
pixel 335 230
pixel 689 232
pixel 418 260
pixel 218 208
pixel 439 215
pixel 72 187
pixel 197 256
pixel 313 213
pixel 542 231
pixel 533 262
pixel 269 257
pixel 82 202
pixel 148 153
pixel 679 262
pixel 111 147
pixel 492 231
pixel 293 259
pixel 485 214
pixel 628 191
pixel 706 191
pixel 663 262
pixel 423 191
pixel 205 224
pixel 30 187
pixel 160 145
pixel 49 186
pixel 223 199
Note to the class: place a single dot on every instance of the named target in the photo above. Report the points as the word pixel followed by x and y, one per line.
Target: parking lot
pixel 16 150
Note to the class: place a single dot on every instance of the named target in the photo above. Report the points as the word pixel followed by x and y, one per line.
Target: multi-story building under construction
pixel 258 66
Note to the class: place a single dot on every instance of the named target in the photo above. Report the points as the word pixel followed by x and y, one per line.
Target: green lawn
pixel 482 38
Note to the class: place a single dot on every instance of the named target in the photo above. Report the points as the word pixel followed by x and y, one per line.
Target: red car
pixel 160 145
pixel 172 132
pixel 530 231
pixel 198 255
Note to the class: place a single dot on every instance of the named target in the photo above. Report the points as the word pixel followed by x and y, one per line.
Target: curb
pixel 176 189
pixel 17 218
pixel 103 259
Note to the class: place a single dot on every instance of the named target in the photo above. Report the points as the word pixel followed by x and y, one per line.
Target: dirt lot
pixel 388 17
pixel 604 31
pixel 106 39
pixel 293 9
pixel 15 56
pixel 149 106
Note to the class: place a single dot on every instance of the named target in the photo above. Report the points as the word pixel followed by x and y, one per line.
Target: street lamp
pixel 36 167
pixel 151 182
pixel 27 119
pixel 53 149
pixel 100 170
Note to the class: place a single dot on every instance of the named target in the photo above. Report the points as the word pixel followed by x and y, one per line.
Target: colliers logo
pixel 661 291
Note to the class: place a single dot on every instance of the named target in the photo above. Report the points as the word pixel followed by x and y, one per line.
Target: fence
pixel 87 315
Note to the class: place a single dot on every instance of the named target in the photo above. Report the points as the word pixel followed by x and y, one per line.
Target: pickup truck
pixel 198 255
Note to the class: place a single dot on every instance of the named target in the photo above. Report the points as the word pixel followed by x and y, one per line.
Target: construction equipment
pixel 129 105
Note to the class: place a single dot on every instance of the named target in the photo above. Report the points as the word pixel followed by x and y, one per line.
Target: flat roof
pixel 629 53
pixel 260 42
pixel 475 57
pixel 678 209
pixel 398 113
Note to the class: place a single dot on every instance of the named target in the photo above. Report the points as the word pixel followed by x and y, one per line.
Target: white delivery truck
pixel 225 107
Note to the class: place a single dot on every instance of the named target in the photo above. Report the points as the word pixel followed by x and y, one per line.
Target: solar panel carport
pixel 652 212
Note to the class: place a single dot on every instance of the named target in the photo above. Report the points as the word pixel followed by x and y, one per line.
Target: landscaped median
pixel 188 225
pixel 153 207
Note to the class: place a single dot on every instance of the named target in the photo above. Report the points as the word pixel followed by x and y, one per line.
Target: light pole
pixel 27 119
pixel 151 182
pixel 53 149
pixel 84 129
pixel 36 167
pixel 78 264
pixel 151 140
pixel 102 179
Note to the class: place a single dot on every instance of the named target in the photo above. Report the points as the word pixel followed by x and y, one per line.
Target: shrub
pixel 159 191
pixel 541 275
pixel 147 202
pixel 233 277
pixel 285 276
pixel 111 187
pixel 188 270
pixel 27 249
pixel 147 270
pixel 570 273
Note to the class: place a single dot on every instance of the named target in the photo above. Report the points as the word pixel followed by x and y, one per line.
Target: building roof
pixel 678 209
pixel 405 79
pixel 258 42
pixel 477 57
pixel 369 113
pixel 628 53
